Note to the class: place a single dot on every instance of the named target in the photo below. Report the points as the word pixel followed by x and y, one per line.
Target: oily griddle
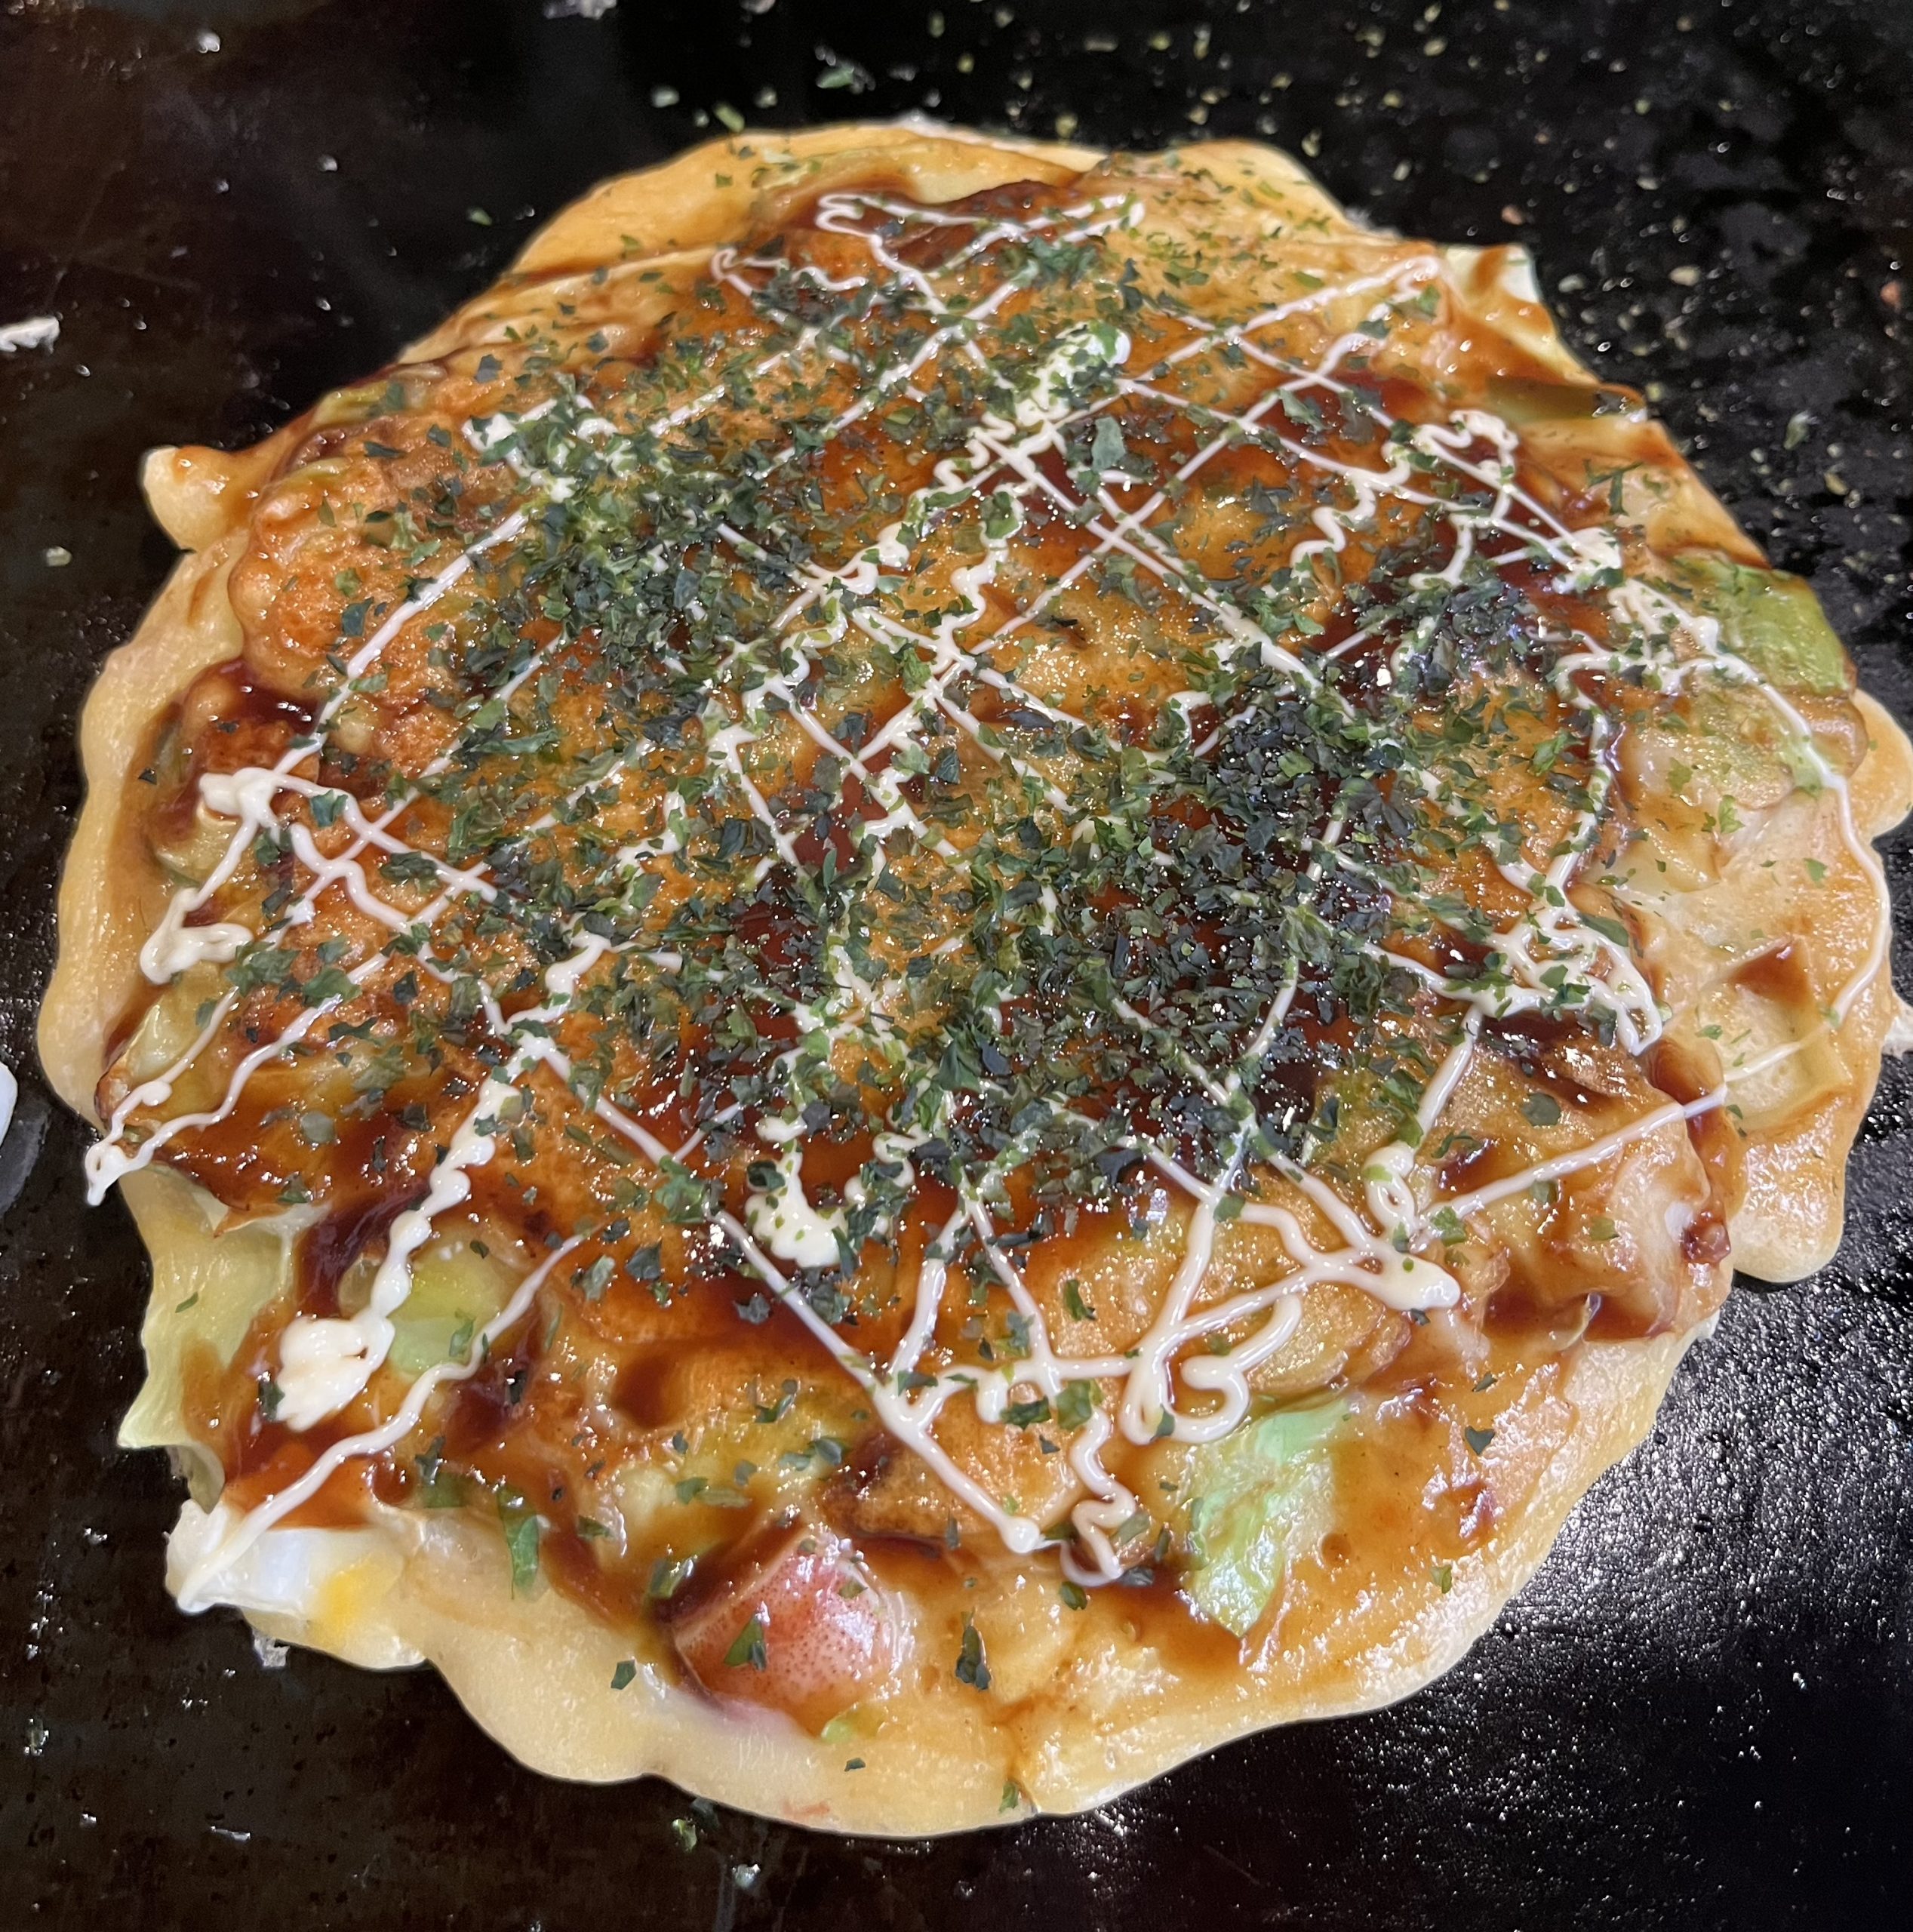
pixel 1699 1712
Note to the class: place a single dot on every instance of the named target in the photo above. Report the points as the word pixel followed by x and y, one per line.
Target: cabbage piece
pixel 208 1288
pixel 189 852
pixel 455 1290
pixel 165 1034
pixel 1521 399
pixel 1256 1497
pixel 1774 621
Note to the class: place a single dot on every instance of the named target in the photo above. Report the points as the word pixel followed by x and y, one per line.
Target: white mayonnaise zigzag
pixel 1384 1251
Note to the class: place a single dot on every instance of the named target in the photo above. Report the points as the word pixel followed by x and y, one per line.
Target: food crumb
pixel 35 332
pixel 56 556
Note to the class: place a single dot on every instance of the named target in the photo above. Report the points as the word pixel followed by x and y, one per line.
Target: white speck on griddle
pixel 35 332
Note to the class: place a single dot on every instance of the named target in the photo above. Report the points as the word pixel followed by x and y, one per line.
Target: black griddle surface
pixel 1701 1713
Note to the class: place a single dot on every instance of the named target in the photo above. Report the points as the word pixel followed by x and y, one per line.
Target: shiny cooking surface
pixel 1699 1712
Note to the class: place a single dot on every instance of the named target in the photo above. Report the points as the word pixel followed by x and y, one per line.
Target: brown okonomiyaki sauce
pixel 1165 931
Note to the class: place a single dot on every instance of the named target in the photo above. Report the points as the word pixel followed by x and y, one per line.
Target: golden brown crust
pixel 534 1672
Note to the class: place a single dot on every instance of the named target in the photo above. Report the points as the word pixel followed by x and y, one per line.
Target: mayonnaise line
pixel 324 1365
pixel 247 1531
pixel 190 899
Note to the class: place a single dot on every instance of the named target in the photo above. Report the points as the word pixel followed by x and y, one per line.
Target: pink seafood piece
pixel 801 1627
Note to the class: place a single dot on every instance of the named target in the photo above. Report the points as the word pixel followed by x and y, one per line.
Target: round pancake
pixel 1599 1009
